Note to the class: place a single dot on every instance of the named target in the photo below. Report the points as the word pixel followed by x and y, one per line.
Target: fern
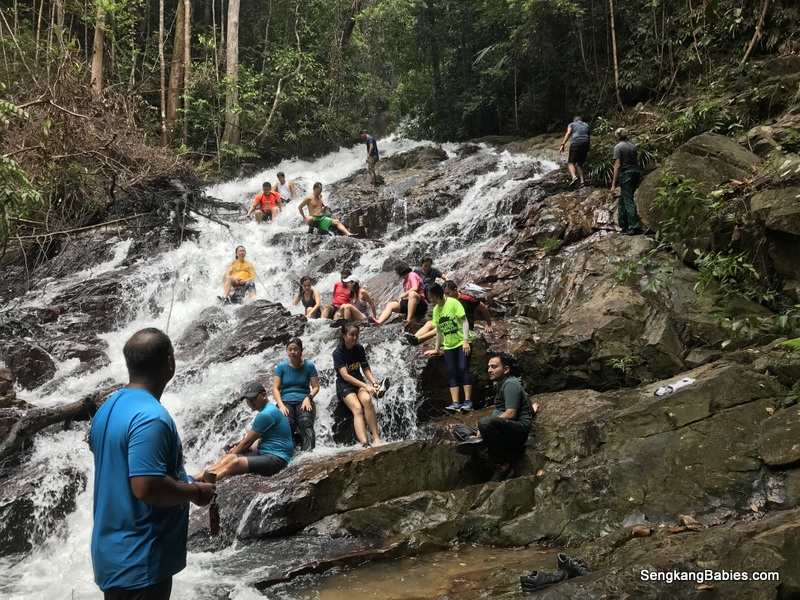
pixel 793 344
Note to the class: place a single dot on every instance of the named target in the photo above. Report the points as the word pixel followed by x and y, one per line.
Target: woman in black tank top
pixel 309 297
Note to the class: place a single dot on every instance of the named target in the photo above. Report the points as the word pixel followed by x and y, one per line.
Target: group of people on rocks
pixel 626 170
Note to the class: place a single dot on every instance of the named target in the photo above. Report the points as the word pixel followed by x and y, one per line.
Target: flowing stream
pixel 170 290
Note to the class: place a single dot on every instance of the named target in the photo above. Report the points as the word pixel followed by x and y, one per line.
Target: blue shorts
pixel 250 286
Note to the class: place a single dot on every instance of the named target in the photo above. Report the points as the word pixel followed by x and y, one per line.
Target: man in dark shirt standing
pixel 578 149
pixel 626 171
pixel 372 155
pixel 506 431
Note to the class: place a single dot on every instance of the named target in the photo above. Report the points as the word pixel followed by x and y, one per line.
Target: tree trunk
pixel 187 59
pixel 96 84
pixel 163 73
pixel 614 48
pixel 175 76
pixel 232 133
pixel 757 32
pixel 433 39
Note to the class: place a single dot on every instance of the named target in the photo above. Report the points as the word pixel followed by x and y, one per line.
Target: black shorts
pixel 578 153
pixel 344 389
pixel 419 312
pixel 264 464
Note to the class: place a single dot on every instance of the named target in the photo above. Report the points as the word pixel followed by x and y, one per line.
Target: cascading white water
pixel 180 284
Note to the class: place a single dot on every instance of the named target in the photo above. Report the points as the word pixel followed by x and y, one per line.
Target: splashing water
pixel 172 289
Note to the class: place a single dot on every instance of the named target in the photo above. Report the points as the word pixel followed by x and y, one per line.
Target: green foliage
pixel 734 275
pixel 18 196
pixel 624 364
pixel 550 245
pixel 793 345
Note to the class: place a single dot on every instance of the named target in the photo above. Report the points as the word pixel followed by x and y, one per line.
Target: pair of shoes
pixel 411 339
pixel 573 567
pixel 383 387
pixel 573 182
pixel 455 407
pixel 500 475
pixel 539 580
pixel 471 447
pixel 637 231
pixel 466 407
pixel 582 185
pixel 366 445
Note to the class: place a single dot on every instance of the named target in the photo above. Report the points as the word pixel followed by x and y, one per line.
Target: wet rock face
pixel 23 524
pixel 31 364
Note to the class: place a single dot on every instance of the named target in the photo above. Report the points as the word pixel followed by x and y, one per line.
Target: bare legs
pixel 412 300
pixel 363 410
pixel 227 466
pixel 575 171
pixel 351 313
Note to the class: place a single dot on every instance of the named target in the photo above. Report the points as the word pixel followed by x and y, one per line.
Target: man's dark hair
pixel 317 185
pixel 147 351
pixel 280 174
pixel 506 358
pixel 449 285
pixel 577 118
pixel 363 131
pixel 266 184
pixel 402 269
pixel 435 292
pixel 426 259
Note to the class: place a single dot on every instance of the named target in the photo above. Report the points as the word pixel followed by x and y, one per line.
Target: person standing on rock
pixel 578 149
pixel 504 433
pixel 285 189
pixel 141 491
pixel 272 432
pixel 294 386
pixel 372 155
pixel 355 389
pixel 413 302
pixel 626 171
pixel 241 274
pixel 267 204
pixel 471 304
pixel 453 333
pixel 316 208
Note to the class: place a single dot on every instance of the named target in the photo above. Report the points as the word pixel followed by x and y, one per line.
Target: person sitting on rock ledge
pixel 504 433
pixel 267 204
pixel 316 208
pixel 471 304
pixel 241 274
pixel 272 432
pixel 412 303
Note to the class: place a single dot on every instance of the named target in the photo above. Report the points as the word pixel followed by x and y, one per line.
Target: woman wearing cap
pixel 294 385
pixel 309 297
pixel 354 388
pixel 360 300
pixel 270 429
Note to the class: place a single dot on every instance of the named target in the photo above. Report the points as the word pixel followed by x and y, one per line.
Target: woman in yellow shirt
pixel 241 273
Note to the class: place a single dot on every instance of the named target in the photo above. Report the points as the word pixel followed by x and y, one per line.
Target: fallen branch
pixel 21 150
pixel 78 229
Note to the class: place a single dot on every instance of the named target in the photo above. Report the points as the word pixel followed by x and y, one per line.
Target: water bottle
pixel 213 508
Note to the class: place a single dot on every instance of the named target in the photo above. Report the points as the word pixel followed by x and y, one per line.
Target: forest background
pixel 102 97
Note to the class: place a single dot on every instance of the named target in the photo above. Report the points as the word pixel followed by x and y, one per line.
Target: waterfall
pixel 171 290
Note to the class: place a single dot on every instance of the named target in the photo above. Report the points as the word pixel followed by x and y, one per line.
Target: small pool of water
pixel 464 573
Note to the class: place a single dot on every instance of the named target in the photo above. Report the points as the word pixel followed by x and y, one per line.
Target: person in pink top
pixel 413 302
pixel 341 295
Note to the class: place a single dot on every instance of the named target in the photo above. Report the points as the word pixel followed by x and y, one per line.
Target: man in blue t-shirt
pixel 578 131
pixel 141 494
pixel 372 155
pixel 272 432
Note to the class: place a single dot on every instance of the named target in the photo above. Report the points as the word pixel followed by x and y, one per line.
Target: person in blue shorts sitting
pixel 272 432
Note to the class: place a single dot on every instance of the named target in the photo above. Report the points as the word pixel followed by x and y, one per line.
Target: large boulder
pixel 709 158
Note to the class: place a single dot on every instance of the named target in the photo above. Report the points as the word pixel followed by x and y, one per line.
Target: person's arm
pixel 317 300
pixel 291 189
pixel 617 165
pixel 306 405
pixel 465 333
pixel 252 270
pixel 252 207
pixel 437 345
pixel 164 491
pixel 251 438
pixel 301 206
pixel 228 272
pixel 370 301
pixel 566 137
pixel 296 300
pixel 484 312
pixel 512 404
pixel 276 393
pixel 353 381
pixel 372 389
